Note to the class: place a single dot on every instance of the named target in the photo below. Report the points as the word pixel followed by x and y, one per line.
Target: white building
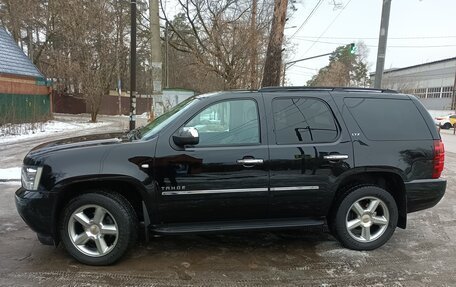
pixel 170 98
pixel 432 82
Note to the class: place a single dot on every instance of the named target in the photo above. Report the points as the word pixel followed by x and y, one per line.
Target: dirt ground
pixel 422 255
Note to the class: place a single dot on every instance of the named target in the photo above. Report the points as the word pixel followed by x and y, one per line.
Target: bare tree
pixel 344 69
pixel 218 37
pixel 253 48
pixel 273 65
pixel 82 45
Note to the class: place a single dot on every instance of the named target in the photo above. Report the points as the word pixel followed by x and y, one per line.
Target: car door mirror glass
pixel 186 136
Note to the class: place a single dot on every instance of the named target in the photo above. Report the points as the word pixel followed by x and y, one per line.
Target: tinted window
pixel 227 123
pixel 388 119
pixel 156 125
pixel 303 120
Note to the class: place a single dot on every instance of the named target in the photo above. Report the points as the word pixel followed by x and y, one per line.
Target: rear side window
pixel 388 119
pixel 303 120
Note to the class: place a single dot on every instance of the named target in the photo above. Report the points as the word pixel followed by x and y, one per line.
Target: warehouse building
pixel 24 92
pixel 432 82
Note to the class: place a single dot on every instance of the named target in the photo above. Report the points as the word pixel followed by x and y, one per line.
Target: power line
pixel 301 73
pixel 376 38
pixel 307 19
pixel 327 28
pixel 390 46
pixel 302 67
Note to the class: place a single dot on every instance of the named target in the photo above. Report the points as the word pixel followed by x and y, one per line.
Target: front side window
pixel 232 122
pixel 156 125
pixel 303 120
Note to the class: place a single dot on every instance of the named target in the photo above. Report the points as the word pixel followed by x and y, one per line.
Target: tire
pixel 371 212
pixel 446 126
pixel 98 228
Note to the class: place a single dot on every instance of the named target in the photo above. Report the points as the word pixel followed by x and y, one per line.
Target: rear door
pixel 309 149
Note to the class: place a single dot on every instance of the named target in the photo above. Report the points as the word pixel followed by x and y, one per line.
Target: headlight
pixel 31 177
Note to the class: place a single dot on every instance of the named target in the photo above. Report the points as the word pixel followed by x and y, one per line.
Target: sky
pixel 413 25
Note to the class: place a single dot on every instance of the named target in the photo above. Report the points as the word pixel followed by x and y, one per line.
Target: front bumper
pixel 424 193
pixel 37 210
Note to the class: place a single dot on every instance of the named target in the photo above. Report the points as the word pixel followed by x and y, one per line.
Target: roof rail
pixel 349 89
pixel 335 89
pixel 294 88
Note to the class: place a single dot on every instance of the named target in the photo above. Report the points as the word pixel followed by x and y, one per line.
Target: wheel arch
pixel 391 181
pixel 131 189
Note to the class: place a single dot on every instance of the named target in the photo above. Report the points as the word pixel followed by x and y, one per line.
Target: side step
pixel 224 226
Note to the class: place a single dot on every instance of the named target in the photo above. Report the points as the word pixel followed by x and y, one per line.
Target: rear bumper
pixel 36 209
pixel 424 193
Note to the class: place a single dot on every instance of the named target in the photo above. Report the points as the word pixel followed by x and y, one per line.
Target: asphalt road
pixel 422 255
pixel 449 139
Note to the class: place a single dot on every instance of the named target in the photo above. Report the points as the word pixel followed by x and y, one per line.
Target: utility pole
pixel 166 56
pixel 119 81
pixel 155 50
pixel 133 66
pixel 382 43
pixel 253 48
pixel 273 64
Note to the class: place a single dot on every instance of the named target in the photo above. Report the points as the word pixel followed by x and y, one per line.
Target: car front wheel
pixel 365 218
pixel 98 228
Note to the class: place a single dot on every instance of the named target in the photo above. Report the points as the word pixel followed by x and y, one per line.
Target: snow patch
pixel 10 174
pixel 10 133
pixel 329 250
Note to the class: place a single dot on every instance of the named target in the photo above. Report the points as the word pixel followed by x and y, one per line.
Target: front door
pixel 222 178
pixel 309 149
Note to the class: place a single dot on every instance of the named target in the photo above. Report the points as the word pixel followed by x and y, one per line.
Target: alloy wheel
pixel 93 230
pixel 367 219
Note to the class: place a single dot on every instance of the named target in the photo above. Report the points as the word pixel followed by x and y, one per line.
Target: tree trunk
pixel 272 67
pixel 93 116
pixel 254 45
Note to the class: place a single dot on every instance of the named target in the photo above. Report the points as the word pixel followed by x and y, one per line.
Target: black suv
pixel 358 160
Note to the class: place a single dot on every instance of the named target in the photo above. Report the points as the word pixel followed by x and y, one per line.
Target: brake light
pixel 439 118
pixel 439 158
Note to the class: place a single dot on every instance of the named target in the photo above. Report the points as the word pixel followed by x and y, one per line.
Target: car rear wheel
pixel 98 227
pixel 446 126
pixel 365 218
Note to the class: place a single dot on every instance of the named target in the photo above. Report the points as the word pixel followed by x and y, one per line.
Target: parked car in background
pixel 445 122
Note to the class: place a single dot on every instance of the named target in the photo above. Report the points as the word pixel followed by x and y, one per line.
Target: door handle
pixel 250 161
pixel 335 156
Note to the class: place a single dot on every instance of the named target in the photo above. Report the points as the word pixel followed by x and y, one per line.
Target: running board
pixel 225 226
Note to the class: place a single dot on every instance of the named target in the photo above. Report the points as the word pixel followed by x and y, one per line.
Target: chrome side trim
pixel 307 187
pixel 216 191
pixel 212 191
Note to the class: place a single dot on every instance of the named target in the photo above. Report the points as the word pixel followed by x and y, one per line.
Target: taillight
pixel 439 119
pixel 439 158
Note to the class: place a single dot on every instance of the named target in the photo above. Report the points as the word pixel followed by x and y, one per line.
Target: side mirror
pixel 186 136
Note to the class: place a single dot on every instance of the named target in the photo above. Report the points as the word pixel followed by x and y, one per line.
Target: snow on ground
pixel 144 115
pixel 10 174
pixel 21 137
pixel 17 132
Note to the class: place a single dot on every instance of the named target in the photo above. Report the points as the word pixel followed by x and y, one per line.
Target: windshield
pixel 156 125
